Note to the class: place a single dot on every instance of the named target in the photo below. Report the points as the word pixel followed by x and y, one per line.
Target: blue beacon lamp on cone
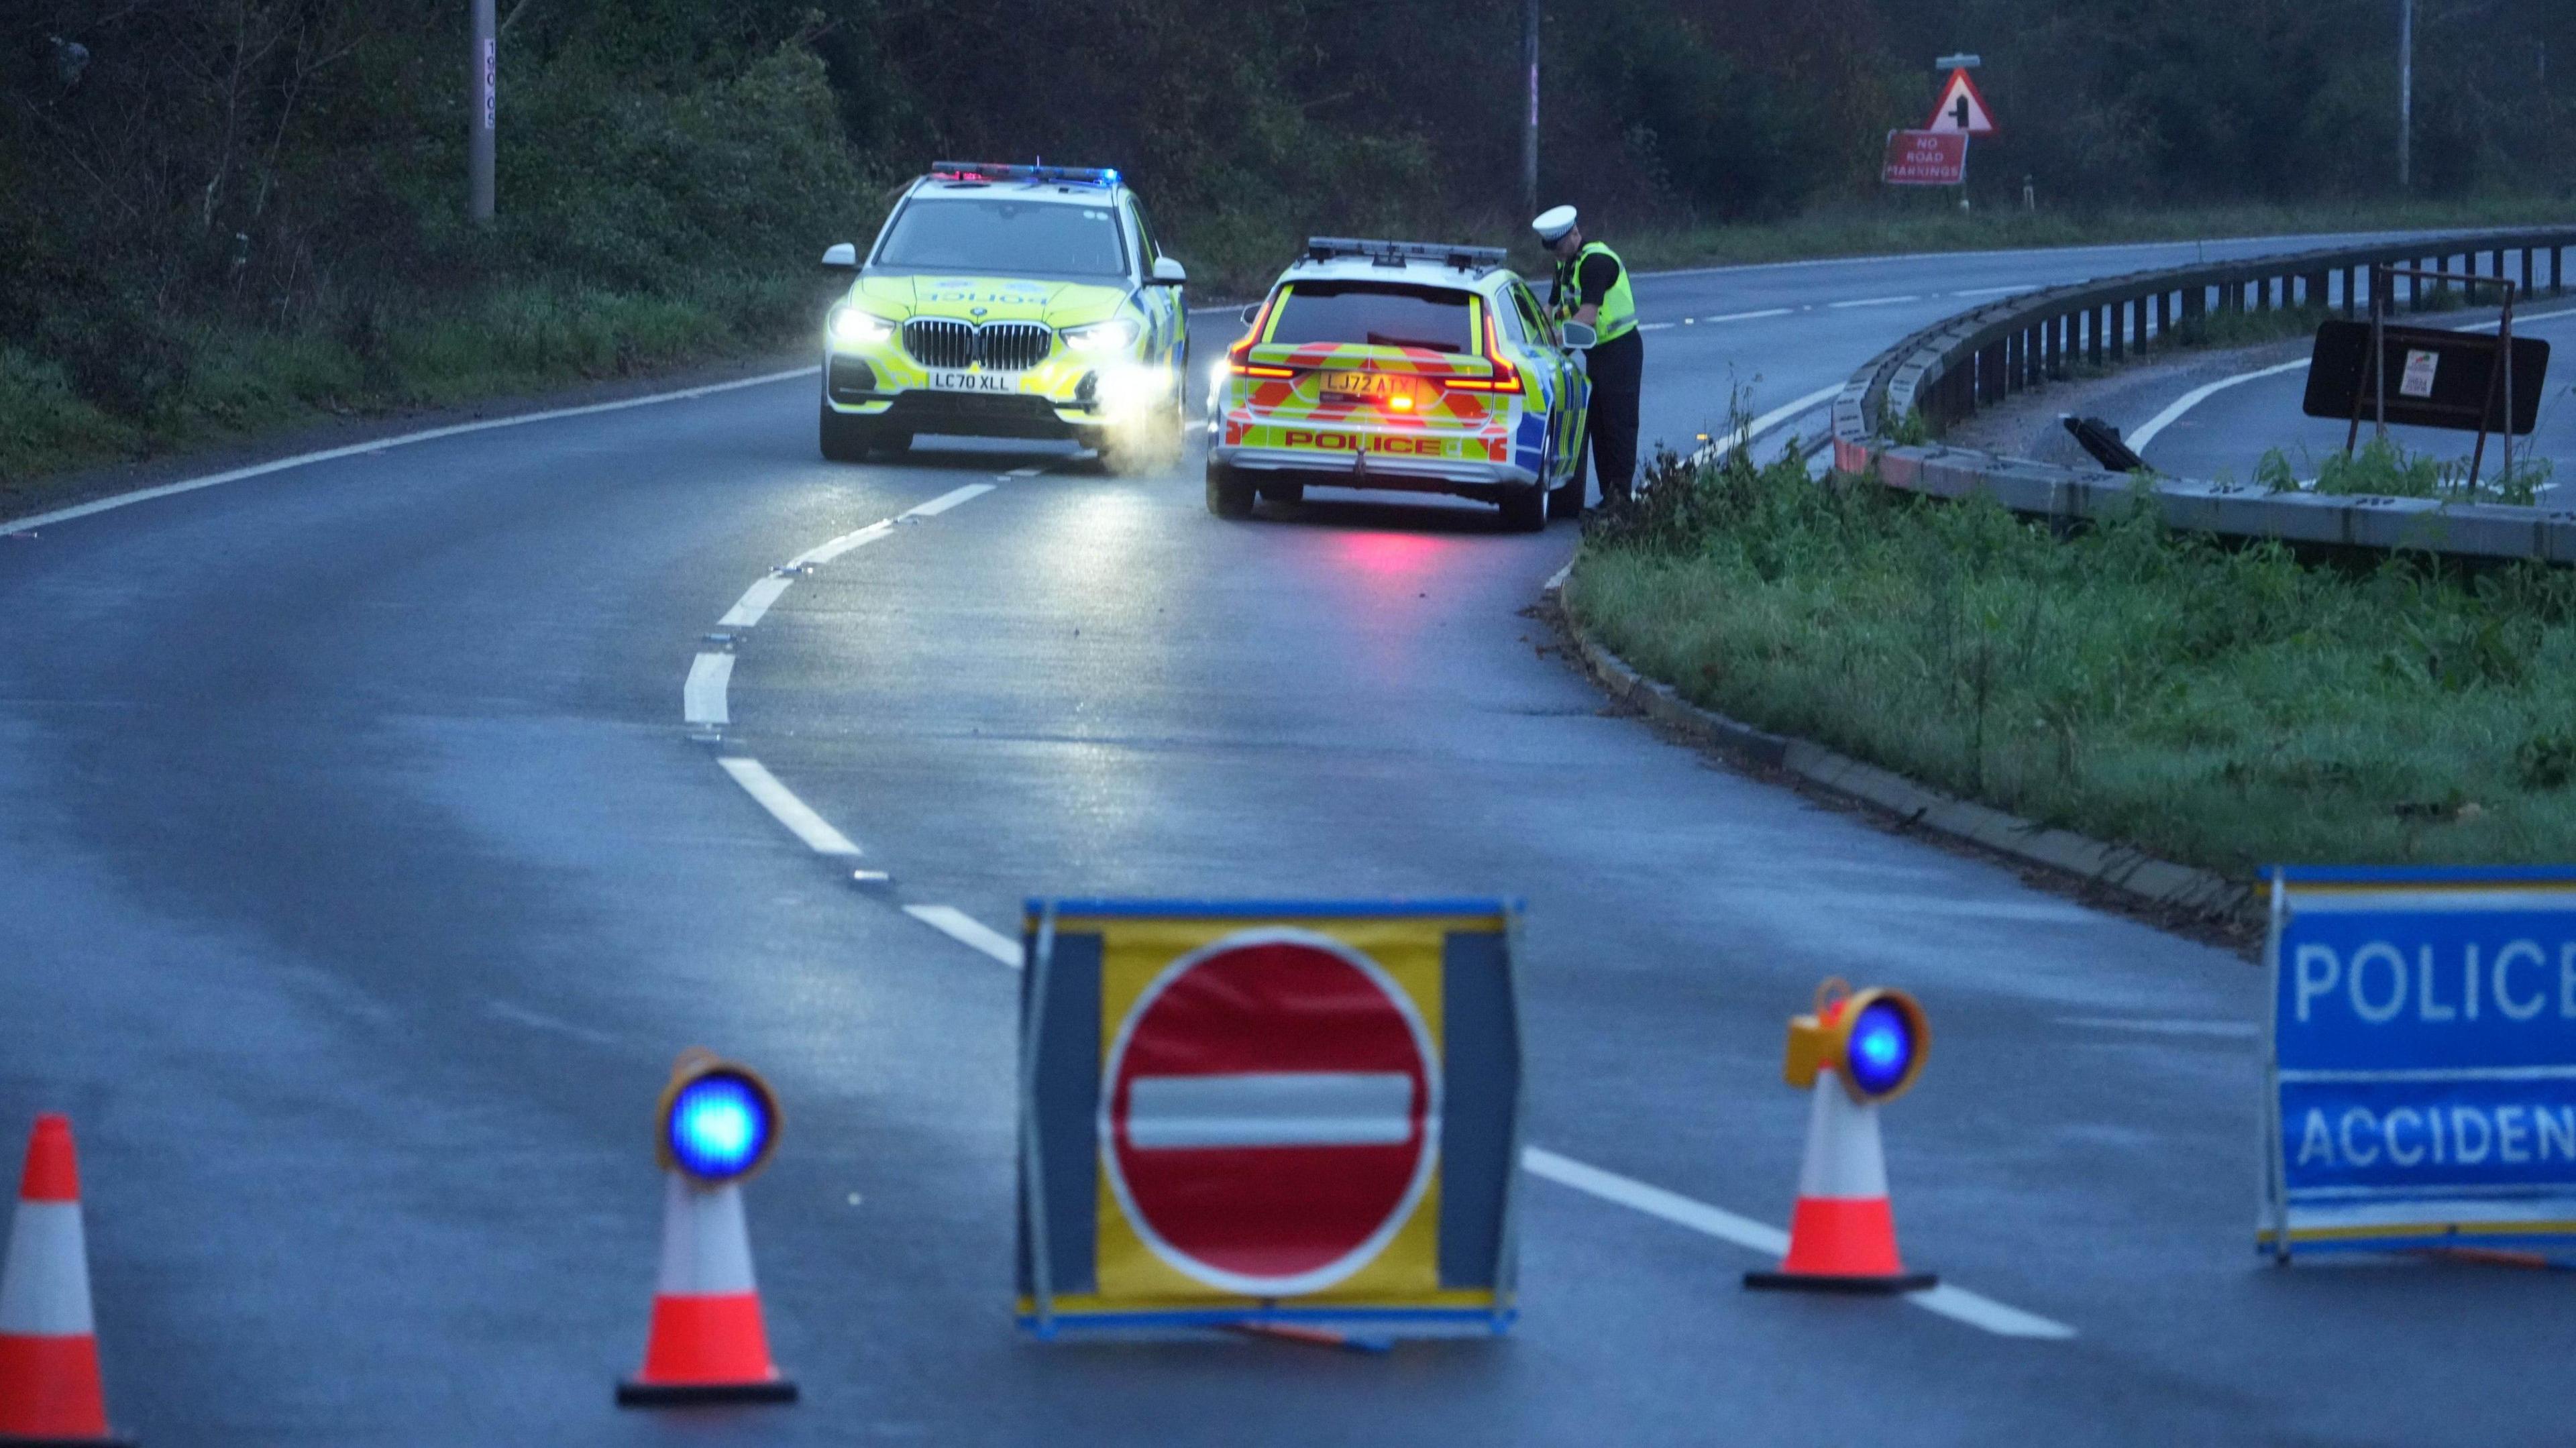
pixel 717 1124
pixel 1854 1051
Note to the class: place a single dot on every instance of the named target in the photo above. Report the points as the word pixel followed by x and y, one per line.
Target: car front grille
pixel 1000 346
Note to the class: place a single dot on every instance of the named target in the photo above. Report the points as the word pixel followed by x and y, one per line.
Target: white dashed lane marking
pixel 948 500
pixel 787 809
pixel 1871 302
pixel 826 551
pixel 755 602
pixel 702 698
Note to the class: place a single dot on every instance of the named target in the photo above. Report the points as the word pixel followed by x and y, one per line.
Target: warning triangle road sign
pixel 1963 108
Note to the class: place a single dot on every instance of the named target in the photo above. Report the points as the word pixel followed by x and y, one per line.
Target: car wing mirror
pixel 1251 313
pixel 841 256
pixel 1169 273
pixel 1578 336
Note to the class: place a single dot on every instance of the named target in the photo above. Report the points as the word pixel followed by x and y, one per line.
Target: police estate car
pixel 1400 365
pixel 1008 301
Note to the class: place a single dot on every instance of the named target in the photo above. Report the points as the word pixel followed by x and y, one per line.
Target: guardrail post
pixel 2558 271
pixel 2526 271
pixel 2065 343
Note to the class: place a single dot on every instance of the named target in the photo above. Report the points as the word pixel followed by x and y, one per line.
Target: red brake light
pixel 1238 357
pixel 1506 378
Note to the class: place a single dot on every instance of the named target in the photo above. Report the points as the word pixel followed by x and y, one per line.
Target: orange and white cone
pixel 49 1383
pixel 1842 1235
pixel 707 1343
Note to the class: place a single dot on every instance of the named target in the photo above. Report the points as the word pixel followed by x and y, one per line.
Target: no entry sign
pixel 1272 1112
pixel 1268 1112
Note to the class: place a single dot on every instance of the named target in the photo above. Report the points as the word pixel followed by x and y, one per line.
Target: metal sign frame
pixel 2445 1213
pixel 2380 277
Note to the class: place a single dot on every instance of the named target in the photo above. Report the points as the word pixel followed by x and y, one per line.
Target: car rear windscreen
pixel 991 235
pixel 1378 314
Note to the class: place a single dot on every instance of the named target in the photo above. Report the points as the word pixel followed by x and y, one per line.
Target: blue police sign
pixel 2421 1072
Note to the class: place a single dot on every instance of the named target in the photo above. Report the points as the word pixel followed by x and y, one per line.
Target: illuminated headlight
pixel 1115 335
pixel 1125 390
pixel 851 327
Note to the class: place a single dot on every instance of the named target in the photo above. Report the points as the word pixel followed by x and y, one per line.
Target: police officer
pixel 1592 288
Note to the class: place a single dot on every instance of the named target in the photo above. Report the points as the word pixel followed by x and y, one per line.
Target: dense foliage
pixel 210 205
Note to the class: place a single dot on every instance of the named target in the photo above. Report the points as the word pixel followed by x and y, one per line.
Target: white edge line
pixel 703 698
pixel 754 603
pixel 1763 424
pixel 170 490
pixel 787 809
pixel 968 931
pixel 1557 579
pixel 948 500
pixel 1956 1303
pixel 2198 395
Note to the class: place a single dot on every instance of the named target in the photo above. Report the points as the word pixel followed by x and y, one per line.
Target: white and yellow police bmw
pixel 1402 365
pixel 1008 301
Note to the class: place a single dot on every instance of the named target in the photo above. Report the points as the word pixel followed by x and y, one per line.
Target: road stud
pixel 50 1391
pixel 1856 1050
pixel 707 1344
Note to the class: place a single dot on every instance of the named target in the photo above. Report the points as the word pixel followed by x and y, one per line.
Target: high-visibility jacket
pixel 1618 309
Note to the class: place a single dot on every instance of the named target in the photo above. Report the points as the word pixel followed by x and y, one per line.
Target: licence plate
pixel 1375 386
pixel 975 381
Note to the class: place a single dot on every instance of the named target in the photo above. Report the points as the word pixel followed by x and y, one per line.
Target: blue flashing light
pixel 1881 1050
pixel 719 1126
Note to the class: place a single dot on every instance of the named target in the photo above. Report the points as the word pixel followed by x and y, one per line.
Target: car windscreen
pixel 1378 314
pixel 989 235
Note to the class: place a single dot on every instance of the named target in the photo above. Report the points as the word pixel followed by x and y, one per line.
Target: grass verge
pixel 2223 707
pixel 228 381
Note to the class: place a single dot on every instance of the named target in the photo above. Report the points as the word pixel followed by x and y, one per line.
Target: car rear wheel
pixel 1229 493
pixel 1525 509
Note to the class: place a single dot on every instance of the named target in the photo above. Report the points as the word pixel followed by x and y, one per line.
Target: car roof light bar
pixel 1008 171
pixel 1397 253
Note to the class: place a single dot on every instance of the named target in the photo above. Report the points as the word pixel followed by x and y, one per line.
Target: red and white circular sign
pixel 1270 1112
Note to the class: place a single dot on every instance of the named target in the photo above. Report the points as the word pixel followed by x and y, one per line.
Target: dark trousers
pixel 1617 370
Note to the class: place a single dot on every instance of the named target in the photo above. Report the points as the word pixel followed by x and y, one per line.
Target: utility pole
pixel 1529 129
pixel 2405 95
pixel 484 113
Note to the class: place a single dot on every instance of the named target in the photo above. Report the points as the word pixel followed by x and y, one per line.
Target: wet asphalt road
pixel 358 883
pixel 2229 433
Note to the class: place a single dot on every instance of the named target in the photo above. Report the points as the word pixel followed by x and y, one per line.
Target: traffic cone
pixel 1842 1236
pixel 49 1384
pixel 707 1344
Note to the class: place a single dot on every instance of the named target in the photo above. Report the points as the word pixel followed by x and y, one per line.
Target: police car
pixel 1405 366
pixel 1008 301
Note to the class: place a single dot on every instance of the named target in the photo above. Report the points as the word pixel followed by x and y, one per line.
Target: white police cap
pixel 1553 223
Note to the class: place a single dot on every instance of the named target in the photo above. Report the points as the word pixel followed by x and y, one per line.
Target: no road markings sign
pixel 1249 1113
